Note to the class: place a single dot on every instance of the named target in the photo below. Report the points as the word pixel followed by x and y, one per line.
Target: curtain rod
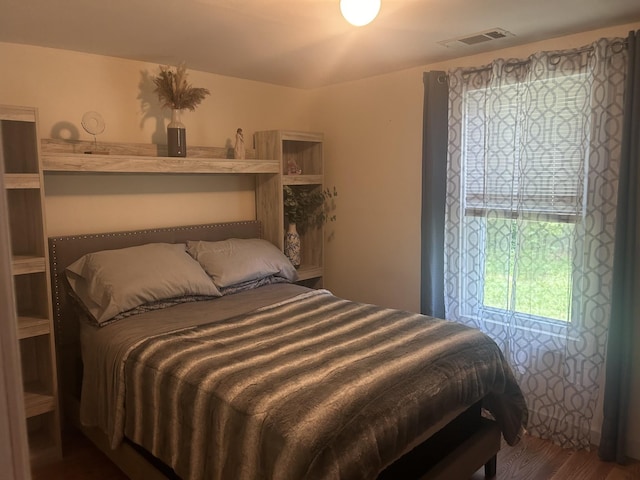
pixel 489 67
pixel 616 47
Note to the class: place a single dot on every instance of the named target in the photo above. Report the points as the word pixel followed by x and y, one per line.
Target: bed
pixel 267 378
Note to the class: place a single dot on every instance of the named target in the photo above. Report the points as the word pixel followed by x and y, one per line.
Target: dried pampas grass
pixel 175 92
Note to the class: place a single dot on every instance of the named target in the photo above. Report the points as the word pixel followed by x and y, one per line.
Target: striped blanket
pixel 312 387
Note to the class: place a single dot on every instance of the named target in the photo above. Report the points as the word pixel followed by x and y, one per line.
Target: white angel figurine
pixel 238 151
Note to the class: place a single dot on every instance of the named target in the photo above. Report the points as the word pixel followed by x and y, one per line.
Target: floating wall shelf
pixel 69 156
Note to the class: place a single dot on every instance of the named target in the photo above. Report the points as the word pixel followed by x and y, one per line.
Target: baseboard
pixel 595 437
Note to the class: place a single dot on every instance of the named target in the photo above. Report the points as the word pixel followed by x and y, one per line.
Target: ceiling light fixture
pixel 359 12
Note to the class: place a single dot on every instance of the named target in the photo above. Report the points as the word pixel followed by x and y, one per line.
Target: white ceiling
pixel 299 43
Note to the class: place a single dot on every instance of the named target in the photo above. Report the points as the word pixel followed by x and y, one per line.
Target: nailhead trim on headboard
pixel 55 242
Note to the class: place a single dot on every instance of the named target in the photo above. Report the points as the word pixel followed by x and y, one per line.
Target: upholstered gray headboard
pixel 63 251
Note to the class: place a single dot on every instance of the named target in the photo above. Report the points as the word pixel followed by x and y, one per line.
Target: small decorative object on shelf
pixel 93 123
pixel 238 151
pixel 292 245
pixel 293 168
pixel 176 135
pixel 176 93
pixel 305 206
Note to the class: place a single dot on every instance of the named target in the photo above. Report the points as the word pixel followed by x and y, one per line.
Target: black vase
pixel 176 136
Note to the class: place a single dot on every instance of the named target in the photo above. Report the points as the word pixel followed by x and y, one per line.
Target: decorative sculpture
pixel 238 151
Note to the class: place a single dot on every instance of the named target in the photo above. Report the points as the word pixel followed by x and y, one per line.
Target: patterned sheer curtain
pixel 530 218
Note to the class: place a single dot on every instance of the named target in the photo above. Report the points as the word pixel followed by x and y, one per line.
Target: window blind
pixel 525 148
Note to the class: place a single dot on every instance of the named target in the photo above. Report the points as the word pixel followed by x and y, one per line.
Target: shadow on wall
pixel 64 130
pixel 151 108
pixel 229 148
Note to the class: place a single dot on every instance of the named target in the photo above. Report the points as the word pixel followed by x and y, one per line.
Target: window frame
pixel 502 316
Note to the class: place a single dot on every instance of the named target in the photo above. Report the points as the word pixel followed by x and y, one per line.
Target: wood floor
pixel 532 459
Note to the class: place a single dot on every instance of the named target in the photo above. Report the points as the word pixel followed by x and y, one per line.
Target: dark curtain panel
pixel 626 271
pixel 434 180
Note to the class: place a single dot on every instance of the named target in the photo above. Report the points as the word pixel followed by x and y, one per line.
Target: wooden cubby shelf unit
pixel 32 326
pixel 22 177
pixel 302 154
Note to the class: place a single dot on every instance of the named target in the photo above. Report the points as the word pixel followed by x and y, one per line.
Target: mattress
pixel 285 382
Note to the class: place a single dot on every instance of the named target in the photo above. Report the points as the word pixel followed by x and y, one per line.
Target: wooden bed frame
pixel 456 447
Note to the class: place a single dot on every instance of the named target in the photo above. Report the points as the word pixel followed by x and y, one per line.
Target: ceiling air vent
pixel 476 38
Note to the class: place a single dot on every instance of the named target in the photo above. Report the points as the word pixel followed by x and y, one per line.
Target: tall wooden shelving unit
pixel 305 149
pixel 23 179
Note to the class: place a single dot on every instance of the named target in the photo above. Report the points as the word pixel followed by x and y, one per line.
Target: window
pixel 533 151
pixel 523 191
pixel 528 267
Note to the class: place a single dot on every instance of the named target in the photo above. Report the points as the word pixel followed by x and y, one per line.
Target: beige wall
pixel 63 85
pixel 373 129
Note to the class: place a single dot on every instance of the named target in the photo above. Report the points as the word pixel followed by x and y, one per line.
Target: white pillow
pixel 113 281
pixel 237 260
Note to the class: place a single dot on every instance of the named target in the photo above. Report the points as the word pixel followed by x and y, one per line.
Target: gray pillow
pixel 114 281
pixel 239 260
